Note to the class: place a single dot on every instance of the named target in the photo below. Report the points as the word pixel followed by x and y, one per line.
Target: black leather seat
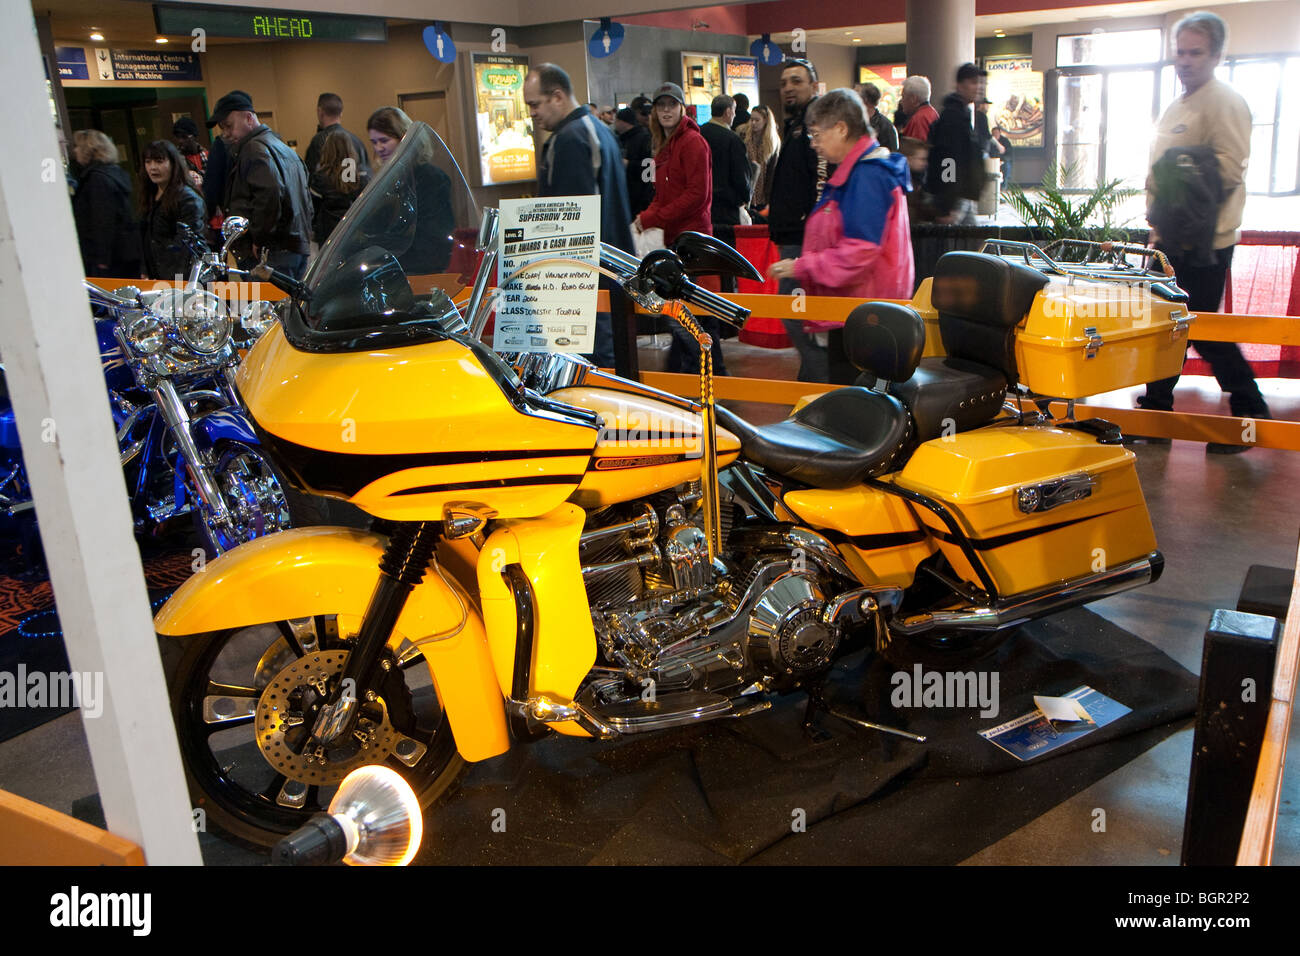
pixel 948 395
pixel 850 434
pixel 836 440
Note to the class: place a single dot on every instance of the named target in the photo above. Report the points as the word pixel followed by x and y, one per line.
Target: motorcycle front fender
pixel 224 424
pixel 309 571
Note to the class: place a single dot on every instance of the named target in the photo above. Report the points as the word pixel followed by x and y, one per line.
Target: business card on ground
pixel 1073 715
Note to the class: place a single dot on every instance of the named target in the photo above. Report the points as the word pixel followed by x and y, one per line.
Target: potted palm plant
pixel 1051 213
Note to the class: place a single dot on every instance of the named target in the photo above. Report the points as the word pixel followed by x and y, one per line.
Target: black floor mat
pixel 734 791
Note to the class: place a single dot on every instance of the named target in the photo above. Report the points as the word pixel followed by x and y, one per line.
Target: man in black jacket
pixel 581 158
pixel 881 127
pixel 267 183
pixel 955 174
pixel 732 180
pixel 329 113
pixel 634 141
pixel 796 186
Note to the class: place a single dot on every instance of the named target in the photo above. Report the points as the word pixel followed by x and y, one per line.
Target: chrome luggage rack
pixel 1103 261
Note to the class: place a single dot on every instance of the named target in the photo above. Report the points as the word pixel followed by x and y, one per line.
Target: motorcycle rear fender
pixel 224 424
pixel 309 571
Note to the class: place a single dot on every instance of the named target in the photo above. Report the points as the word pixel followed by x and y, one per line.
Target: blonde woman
pixel 101 206
pixel 762 145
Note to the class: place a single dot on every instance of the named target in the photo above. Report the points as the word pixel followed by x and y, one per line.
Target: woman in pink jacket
pixel 857 242
pixel 683 203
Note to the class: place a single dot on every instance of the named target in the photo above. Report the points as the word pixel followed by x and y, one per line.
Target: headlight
pixel 257 318
pixel 147 334
pixel 203 323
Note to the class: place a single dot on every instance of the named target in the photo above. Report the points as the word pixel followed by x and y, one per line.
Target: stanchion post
pixel 1231 716
pixel 626 362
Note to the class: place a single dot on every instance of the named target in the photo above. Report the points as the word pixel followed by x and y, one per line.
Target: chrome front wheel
pixel 258 500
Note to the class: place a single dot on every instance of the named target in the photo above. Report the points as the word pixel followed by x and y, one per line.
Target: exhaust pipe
pixel 1020 608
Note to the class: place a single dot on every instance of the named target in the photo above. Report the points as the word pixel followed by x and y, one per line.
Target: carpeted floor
pixel 30 635
pixel 732 791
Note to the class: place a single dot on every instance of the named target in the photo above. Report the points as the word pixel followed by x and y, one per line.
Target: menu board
pixel 551 309
pixel 505 130
pixel 1017 95
pixel 888 78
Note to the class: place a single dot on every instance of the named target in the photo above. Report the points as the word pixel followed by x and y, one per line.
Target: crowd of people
pixel 837 182
pixel 187 190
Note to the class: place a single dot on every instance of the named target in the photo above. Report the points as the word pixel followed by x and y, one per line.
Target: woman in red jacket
pixel 683 201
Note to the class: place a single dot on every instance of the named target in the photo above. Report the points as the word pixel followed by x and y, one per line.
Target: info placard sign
pixel 552 308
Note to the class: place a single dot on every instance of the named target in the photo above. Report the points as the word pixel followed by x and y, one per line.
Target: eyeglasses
pixel 815 134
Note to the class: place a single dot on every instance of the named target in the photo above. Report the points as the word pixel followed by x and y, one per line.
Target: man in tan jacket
pixel 1209 113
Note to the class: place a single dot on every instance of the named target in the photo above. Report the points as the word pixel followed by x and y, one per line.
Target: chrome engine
pixel 766 614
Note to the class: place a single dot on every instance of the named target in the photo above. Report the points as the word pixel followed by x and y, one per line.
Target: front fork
pixel 177 417
pixel 406 559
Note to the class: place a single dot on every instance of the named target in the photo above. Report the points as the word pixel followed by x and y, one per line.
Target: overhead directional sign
pixel 266 24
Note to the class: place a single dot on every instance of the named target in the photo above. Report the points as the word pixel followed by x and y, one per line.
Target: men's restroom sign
pixel 439 44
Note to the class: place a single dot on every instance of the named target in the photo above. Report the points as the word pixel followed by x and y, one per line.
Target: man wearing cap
pixel 955 174
pixel 267 183
pixel 634 141
pixel 581 158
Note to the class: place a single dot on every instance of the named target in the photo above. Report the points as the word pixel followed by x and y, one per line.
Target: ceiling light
pixel 848 33
pixel 97 37
pixel 161 40
pixel 856 40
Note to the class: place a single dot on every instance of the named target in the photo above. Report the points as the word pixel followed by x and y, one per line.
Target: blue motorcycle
pixel 185 445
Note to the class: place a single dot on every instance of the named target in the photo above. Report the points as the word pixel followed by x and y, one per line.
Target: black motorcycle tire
pixel 254 819
pixel 304 510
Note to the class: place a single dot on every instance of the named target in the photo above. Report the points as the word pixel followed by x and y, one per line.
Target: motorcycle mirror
pixel 233 228
pixel 487 229
pixel 701 255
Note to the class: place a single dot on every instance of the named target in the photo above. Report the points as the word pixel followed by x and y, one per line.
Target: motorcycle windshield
pixel 404 250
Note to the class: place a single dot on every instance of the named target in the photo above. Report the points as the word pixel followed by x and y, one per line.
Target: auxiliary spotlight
pixel 373 820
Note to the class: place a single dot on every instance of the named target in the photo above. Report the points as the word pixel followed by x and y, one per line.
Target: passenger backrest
pixel 885 340
pixel 980 300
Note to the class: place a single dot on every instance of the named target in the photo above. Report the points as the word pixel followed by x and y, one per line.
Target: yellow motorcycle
pixel 558 550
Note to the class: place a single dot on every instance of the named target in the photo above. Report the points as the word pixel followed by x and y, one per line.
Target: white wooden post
pixel 57 387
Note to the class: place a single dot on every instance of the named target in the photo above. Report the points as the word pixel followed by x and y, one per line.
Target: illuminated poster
pixel 1017 95
pixel 701 82
pixel 740 75
pixel 888 78
pixel 505 130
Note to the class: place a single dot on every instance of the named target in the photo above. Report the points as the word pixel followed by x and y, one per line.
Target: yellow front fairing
pixel 403 433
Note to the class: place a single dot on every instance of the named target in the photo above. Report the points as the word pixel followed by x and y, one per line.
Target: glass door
pixel 1078 129
pixel 1104 125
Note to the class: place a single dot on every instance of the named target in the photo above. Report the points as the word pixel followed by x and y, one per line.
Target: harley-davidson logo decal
pixel 643 461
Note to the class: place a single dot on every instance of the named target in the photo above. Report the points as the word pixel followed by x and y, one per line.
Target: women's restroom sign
pixel 606 40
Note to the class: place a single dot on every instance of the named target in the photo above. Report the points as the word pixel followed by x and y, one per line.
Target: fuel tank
pixel 404 432
pixel 646 445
